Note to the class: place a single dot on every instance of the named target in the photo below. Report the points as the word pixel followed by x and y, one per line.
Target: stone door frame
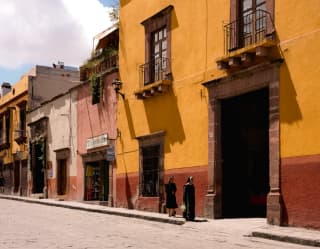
pixel 255 78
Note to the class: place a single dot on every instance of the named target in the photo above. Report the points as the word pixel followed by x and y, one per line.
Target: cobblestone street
pixel 25 225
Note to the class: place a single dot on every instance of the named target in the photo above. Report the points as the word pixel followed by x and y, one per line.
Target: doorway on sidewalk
pixel 38 166
pixel 245 154
pixel 97 180
pixel 16 176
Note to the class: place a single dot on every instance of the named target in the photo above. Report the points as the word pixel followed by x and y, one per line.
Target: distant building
pixel 39 85
pixel 71 133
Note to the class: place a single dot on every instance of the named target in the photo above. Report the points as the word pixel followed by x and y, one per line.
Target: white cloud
pixel 47 31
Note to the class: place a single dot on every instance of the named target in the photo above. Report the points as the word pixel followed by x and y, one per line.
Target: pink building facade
pixel 96 134
pixel 96 121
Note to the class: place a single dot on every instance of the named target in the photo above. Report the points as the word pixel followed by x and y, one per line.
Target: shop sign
pixel 110 154
pixel 97 141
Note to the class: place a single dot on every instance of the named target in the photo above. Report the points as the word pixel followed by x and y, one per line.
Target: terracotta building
pixel 96 121
pixel 224 91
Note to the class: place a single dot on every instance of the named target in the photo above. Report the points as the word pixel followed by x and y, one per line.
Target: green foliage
pixel 95 88
pixel 114 14
pixel 97 58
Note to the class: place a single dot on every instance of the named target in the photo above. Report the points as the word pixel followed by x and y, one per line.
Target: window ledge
pixel 153 89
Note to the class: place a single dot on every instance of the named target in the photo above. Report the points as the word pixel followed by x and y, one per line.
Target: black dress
pixel 171 190
pixel 189 201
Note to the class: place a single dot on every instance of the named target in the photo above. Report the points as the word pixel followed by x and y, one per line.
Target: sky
pixel 43 32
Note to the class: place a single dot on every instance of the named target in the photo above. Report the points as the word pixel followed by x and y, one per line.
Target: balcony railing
pixel 98 67
pixel 20 134
pixel 153 71
pixel 249 29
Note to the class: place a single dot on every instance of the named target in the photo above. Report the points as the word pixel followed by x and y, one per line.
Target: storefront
pixel 98 170
pixel 97 180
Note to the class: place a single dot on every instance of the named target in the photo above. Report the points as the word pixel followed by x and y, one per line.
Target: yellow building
pixel 225 91
pixel 40 84
pixel 13 137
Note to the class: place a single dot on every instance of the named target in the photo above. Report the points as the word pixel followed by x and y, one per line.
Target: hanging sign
pixel 110 154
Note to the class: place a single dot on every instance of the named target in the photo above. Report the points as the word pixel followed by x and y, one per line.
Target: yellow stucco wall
pixel 196 39
pixel 298 30
pixel 196 42
pixel 18 94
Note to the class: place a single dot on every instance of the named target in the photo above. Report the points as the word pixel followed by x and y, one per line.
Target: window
pixel 253 17
pixel 23 120
pixel 150 168
pixel 7 130
pixel 157 47
pixel 20 128
pixel 1 130
pixel 158 60
pixel 151 164
pixel 251 22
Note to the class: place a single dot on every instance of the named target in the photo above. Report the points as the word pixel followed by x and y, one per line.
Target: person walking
pixel 189 199
pixel 171 202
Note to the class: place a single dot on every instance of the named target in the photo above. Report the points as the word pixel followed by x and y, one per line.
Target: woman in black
pixel 171 203
pixel 189 199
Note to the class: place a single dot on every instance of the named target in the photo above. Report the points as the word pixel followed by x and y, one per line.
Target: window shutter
pixel 270 22
pixel 234 25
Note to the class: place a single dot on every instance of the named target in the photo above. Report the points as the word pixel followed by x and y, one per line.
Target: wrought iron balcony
pixel 153 71
pixel 155 77
pixel 249 29
pixel 99 65
pixel 246 39
pixel 20 134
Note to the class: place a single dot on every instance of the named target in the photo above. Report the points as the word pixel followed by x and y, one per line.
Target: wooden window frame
pixel 235 14
pixel 153 24
pixel 154 139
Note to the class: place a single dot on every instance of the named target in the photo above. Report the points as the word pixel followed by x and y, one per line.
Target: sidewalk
pixel 256 229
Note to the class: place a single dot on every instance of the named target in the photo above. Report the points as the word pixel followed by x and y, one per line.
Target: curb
pixel 286 238
pixel 96 210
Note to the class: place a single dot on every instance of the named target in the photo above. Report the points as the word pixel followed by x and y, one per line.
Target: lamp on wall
pixel 117 85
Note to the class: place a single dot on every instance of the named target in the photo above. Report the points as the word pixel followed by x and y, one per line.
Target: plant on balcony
pixel 90 67
pixel 96 86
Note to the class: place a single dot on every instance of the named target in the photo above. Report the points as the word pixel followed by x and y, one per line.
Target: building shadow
pixel 163 113
pixel 289 108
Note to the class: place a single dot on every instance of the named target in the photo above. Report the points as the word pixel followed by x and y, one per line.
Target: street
pixel 27 225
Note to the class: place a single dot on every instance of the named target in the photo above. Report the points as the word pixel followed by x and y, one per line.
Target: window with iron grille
pixel 22 119
pixel 250 22
pixel 8 123
pixel 157 47
pixel 150 170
